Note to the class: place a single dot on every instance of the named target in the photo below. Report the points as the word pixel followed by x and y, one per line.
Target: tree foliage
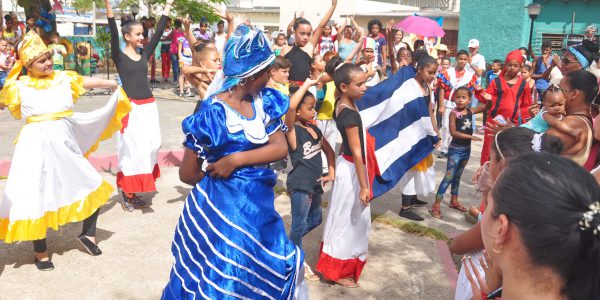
pixel 195 9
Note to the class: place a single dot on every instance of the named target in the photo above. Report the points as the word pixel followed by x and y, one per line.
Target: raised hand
pixel 493 273
pixel 311 82
pixel 390 26
pixel 477 293
pixel 224 14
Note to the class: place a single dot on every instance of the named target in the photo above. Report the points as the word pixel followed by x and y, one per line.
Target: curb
pixel 109 162
pixel 447 263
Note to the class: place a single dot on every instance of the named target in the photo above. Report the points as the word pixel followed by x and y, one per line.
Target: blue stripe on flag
pixel 384 90
pixel 396 170
pixel 388 130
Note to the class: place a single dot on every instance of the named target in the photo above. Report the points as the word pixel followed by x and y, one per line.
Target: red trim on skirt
pixel 335 269
pixel 141 183
pixel 125 120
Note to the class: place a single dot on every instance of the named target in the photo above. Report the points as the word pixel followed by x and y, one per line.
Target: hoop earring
pixel 494 249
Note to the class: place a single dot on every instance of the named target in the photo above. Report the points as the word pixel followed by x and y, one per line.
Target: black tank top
pixel 306 161
pixel 463 124
pixel 301 62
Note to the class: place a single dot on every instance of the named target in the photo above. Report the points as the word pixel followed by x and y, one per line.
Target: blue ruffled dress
pixel 230 243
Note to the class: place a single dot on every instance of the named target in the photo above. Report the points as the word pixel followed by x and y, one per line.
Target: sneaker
pixel 410 214
pixel 443 155
pixel 89 246
pixel 418 203
pixel 125 204
pixel 44 265
pixel 138 202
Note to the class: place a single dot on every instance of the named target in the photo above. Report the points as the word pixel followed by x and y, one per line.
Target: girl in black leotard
pixel 302 52
pixel 139 140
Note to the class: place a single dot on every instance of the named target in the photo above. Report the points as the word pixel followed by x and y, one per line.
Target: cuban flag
pixel 395 116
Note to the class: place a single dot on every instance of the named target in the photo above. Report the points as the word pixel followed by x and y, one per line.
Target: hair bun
pixel 125 20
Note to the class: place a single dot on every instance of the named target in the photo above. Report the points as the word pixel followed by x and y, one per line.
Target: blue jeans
pixel 457 161
pixel 175 65
pixel 306 214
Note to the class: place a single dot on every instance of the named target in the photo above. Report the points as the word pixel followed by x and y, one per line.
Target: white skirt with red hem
pixel 346 234
pixel 139 141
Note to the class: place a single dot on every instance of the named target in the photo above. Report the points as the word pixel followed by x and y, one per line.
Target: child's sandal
pixel 436 212
pixel 458 206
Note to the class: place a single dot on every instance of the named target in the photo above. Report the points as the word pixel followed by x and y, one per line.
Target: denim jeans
pixel 175 65
pixel 458 157
pixel 306 214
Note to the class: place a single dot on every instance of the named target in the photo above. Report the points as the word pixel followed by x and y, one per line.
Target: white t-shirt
pixel 594 69
pixel 479 61
pixel 375 79
pixel 220 41
pixel 555 76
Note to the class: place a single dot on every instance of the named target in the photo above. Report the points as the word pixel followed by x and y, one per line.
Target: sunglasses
pixel 566 61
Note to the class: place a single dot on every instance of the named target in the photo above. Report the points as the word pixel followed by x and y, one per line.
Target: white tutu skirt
pixel 139 141
pixel 50 182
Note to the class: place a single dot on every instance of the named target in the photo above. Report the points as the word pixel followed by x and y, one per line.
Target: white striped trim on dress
pixel 228 241
pixel 250 286
pixel 295 286
pixel 281 257
pixel 184 287
pixel 206 279
pixel 197 145
pixel 211 246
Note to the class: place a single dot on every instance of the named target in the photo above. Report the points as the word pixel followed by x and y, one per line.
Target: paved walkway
pixel 136 259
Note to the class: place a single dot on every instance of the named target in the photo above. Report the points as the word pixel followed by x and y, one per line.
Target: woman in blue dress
pixel 230 243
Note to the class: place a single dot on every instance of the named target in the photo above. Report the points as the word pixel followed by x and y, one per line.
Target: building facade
pixel 504 25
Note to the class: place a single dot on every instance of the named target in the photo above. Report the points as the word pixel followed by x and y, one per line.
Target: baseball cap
pixel 473 43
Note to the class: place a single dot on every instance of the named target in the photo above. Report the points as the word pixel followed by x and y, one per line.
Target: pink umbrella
pixel 420 26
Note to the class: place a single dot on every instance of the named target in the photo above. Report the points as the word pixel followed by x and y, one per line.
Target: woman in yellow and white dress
pixel 50 182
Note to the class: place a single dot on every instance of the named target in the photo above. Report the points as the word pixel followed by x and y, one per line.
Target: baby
pixel 552 113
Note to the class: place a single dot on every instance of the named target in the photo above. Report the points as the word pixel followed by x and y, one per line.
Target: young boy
pixel 59 52
pixel 368 62
pixel 279 74
pixel 449 81
pixel 220 37
pixel 6 61
pixel 278 79
pixel 494 71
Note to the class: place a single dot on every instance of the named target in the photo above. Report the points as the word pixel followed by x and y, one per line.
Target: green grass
pixel 413 228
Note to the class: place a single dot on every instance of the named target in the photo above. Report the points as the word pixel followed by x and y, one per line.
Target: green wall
pixel 503 25
pixel 499 25
pixel 556 17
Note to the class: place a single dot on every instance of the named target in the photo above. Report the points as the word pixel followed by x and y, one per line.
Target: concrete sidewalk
pixel 137 258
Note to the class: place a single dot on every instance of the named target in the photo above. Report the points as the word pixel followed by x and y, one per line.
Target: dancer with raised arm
pixel 140 139
pixel 50 182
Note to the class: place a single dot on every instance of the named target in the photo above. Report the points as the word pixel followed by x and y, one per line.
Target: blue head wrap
pixel 246 53
pixel 580 57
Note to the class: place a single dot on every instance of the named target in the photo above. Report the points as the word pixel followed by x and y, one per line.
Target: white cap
pixel 473 43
